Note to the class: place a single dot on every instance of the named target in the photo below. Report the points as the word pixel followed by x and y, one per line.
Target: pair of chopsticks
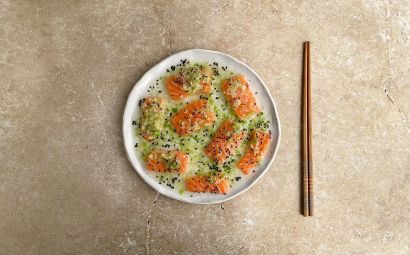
pixel 307 135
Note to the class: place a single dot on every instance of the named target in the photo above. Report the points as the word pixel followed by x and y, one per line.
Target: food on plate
pixel 202 184
pixel 152 116
pixel 258 145
pixel 166 161
pixel 224 142
pixel 200 130
pixel 189 80
pixel 193 117
pixel 239 95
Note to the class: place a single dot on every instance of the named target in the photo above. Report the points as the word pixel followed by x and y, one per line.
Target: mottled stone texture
pixel 67 67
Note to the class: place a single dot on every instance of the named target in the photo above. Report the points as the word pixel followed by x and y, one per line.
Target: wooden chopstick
pixel 310 135
pixel 304 133
pixel 307 137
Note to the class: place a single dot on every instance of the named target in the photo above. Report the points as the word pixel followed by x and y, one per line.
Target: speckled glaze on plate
pixel 263 97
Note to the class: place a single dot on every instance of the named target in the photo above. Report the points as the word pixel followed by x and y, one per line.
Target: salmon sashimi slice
pixel 168 161
pixel 193 117
pixel 175 89
pixel 259 144
pixel 202 184
pixel 224 142
pixel 239 95
pixel 152 116
pixel 189 81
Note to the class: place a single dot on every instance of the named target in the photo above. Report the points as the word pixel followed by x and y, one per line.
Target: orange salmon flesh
pixel 193 117
pixel 259 144
pixel 241 99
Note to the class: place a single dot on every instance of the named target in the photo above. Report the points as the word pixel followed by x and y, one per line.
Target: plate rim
pixel 173 195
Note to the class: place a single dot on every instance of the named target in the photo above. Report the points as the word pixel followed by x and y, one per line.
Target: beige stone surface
pixel 67 67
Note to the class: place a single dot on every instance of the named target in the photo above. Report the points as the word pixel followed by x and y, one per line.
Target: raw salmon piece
pixel 224 142
pixel 152 116
pixel 167 161
pixel 181 85
pixel 201 184
pixel 175 89
pixel 193 117
pixel 259 144
pixel 239 95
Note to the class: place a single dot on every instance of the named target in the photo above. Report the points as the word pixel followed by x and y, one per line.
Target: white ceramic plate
pixel 139 91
